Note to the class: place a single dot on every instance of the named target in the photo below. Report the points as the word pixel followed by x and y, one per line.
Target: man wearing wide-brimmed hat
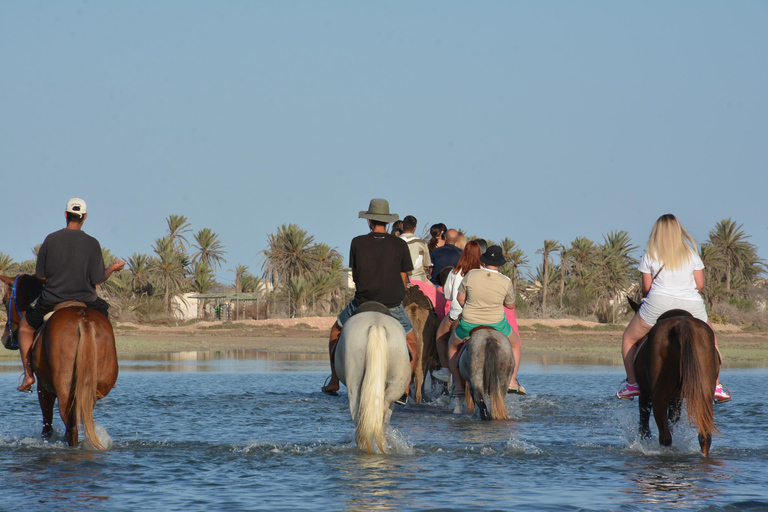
pixel 380 263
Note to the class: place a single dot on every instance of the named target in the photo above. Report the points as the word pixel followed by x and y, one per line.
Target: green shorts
pixel 464 328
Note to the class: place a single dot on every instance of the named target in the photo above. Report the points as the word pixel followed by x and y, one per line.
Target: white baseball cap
pixel 76 205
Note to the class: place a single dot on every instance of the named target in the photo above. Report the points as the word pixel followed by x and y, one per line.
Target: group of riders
pixel 465 275
pixel 461 278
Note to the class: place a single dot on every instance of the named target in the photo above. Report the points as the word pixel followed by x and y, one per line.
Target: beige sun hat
pixel 378 209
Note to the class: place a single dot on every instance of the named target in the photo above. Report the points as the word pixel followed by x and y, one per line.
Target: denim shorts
pixel 656 305
pixel 398 312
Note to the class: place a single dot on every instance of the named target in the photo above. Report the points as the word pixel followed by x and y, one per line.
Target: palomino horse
pixel 486 364
pixel 372 361
pixel 678 361
pixel 425 322
pixel 74 360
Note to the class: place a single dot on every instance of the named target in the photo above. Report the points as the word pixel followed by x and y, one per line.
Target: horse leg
pixel 483 410
pixel 67 416
pixel 46 400
pixel 662 421
pixel 645 415
pixel 705 442
pixel 674 411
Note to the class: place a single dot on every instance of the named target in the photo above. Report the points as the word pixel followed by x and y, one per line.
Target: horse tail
pixel 695 388
pixel 492 381
pixel 84 382
pixel 370 420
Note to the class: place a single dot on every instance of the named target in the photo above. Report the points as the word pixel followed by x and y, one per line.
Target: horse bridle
pixel 11 302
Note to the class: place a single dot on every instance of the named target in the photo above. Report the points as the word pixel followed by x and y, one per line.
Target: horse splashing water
pixel 372 362
pixel 74 360
pixel 486 365
pixel 678 362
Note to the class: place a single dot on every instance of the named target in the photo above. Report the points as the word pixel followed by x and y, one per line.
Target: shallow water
pixel 244 431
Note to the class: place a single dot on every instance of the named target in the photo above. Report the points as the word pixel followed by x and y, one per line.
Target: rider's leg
pixel 413 346
pixel 453 360
pixel 514 340
pixel 333 384
pixel 634 332
pixel 26 337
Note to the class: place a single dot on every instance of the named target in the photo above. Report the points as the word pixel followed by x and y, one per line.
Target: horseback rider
pixel 70 264
pixel 380 263
pixel 672 277
pixel 483 294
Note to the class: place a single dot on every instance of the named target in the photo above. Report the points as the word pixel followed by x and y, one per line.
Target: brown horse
pixel 425 321
pixel 74 360
pixel 678 361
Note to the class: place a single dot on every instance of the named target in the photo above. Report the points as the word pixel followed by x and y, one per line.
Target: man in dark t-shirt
pixel 380 263
pixel 70 265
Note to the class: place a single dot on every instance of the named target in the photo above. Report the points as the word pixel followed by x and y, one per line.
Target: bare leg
pixel 26 337
pixel 514 340
pixel 333 384
pixel 634 332
pixel 453 360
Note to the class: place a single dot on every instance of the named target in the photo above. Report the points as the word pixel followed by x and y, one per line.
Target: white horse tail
pixel 370 420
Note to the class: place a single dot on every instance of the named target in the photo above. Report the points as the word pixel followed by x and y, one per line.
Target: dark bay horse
pixel 678 362
pixel 73 357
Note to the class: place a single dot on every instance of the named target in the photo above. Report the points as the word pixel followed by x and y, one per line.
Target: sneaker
pixel 442 374
pixel 402 400
pixel 628 391
pixel 722 394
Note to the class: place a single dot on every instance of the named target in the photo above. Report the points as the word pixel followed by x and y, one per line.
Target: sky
pixel 527 120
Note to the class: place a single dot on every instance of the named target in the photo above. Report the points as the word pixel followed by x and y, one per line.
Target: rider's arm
pixel 698 276
pixel 116 266
pixel 647 282
pixel 404 275
pixel 461 298
pixel 509 306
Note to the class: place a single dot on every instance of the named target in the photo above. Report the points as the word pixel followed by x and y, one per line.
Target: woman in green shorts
pixel 483 294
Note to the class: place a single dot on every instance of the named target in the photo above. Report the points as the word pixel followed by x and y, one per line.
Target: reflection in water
pixel 674 483
pixel 202 361
pixel 374 482
pixel 68 476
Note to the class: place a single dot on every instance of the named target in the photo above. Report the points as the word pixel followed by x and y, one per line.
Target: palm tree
pixel 169 271
pixel 616 266
pixel 549 247
pixel 140 268
pixel 7 265
pixel 209 248
pixel 739 256
pixel 177 226
pixel 203 281
pixel 291 254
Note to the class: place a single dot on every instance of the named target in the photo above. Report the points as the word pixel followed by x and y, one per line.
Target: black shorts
pixel 34 315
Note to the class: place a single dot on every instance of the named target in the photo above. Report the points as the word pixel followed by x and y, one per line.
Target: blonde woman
pixel 672 277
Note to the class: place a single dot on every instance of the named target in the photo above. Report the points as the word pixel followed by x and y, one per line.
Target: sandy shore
pixel 310 336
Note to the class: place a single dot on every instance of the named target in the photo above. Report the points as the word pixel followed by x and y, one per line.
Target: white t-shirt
pixel 679 283
pixel 451 290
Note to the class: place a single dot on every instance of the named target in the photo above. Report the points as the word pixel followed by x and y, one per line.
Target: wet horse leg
pixel 660 405
pixel 645 415
pixel 68 418
pixel 47 401
pixel 674 411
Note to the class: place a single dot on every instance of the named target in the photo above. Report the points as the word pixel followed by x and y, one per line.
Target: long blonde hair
pixel 670 243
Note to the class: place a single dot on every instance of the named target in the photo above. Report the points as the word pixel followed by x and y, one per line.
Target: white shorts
pixel 653 307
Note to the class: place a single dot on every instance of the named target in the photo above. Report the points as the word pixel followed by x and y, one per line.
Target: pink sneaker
pixel 628 391
pixel 721 394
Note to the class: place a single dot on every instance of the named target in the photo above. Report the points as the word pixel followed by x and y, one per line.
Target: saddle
pixel 60 305
pixel 373 307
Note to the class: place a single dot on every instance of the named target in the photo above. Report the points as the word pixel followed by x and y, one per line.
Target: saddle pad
pixel 375 307
pixel 61 305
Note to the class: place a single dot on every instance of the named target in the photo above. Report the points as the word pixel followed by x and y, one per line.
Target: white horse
pixel 486 365
pixel 372 362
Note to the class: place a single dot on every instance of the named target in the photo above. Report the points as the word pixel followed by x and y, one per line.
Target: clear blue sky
pixel 528 120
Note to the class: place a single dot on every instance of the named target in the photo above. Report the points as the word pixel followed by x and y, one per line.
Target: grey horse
pixel 486 364
pixel 372 362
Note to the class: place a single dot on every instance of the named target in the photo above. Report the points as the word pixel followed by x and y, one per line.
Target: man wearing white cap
pixel 70 265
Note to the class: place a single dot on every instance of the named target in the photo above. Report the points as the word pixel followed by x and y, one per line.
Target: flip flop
pixel 329 392
pixel 518 389
pixel 24 389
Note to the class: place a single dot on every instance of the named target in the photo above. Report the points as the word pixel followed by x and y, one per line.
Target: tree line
pixel 300 277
